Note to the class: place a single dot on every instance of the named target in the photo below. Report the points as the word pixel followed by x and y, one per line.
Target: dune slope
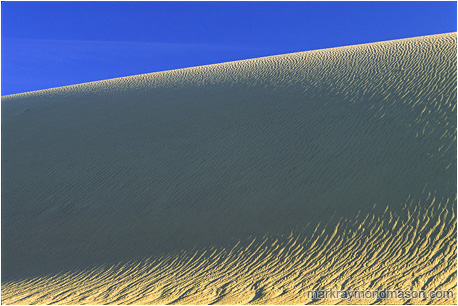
pixel 244 182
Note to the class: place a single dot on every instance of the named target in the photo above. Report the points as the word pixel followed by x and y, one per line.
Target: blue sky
pixel 51 44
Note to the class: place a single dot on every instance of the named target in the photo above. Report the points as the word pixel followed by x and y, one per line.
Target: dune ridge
pixel 243 182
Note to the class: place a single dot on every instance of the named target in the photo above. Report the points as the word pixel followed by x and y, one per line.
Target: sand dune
pixel 244 182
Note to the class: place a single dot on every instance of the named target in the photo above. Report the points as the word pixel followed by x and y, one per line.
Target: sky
pixel 52 44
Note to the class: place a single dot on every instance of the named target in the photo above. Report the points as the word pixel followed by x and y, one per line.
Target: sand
pixel 243 182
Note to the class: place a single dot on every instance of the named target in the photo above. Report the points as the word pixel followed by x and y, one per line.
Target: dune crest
pixel 245 182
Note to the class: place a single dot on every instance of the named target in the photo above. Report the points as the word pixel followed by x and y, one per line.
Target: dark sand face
pixel 151 165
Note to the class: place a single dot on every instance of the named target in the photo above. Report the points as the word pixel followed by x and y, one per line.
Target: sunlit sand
pixel 244 182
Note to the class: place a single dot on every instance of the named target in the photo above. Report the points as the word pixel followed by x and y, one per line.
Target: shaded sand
pixel 244 182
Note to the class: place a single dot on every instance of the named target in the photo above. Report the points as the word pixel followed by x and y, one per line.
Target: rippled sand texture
pixel 244 182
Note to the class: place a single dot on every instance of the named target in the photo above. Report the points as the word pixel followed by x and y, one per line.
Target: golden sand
pixel 246 182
